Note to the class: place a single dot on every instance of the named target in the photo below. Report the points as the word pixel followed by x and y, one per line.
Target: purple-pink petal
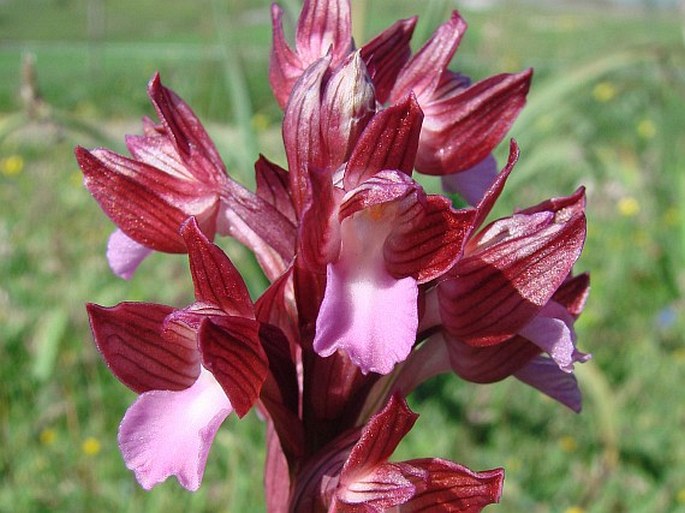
pixel 544 374
pixel 552 330
pixel 368 314
pixel 472 183
pixel 124 254
pixel 169 433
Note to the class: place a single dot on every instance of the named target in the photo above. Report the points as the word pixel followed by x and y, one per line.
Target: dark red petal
pixel 216 279
pixel 324 26
pixel 319 237
pixel 285 66
pixel 272 186
pixel 453 488
pixel 490 197
pixel 187 133
pixel 276 306
pixel 385 55
pixel 510 271
pixel 129 336
pixel 423 71
pixel 301 130
pixel 463 129
pixel 260 226
pixel 147 204
pixel 384 187
pixel 492 363
pixel 232 351
pixel 276 474
pixel 573 293
pixel 389 141
pixel 428 239
pixel 379 438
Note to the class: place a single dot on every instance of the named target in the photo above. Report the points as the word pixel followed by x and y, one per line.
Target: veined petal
pixel 216 279
pixel 380 488
pixel 129 336
pixel 462 129
pixel 386 54
pixel 124 254
pixel 367 479
pixel 301 130
pixel 189 137
pixel 147 204
pixel 380 437
pixel 232 351
pixel 544 374
pixel 453 488
pixel 324 26
pixel 423 71
pixel 169 433
pixel 347 105
pixel 490 363
pixel 428 238
pixel 285 66
pixel 509 272
pixel 272 186
pixel 389 141
pixel 573 293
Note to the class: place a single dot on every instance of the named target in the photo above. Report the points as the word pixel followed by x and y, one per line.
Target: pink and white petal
pixel 552 331
pixel 472 183
pixel 367 314
pixel 380 488
pixel 544 374
pixel 169 433
pixel 124 255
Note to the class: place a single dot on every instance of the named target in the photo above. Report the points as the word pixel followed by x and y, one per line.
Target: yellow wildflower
pixel 568 443
pixel 604 92
pixel 646 129
pixel 48 436
pixel 12 165
pixel 628 206
pixel 91 446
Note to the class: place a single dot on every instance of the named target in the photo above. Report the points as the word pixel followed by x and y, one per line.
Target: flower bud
pixel 348 104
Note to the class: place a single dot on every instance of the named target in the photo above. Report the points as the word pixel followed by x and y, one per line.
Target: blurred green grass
pixel 606 110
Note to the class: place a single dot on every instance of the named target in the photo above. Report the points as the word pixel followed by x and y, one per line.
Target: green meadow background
pixel 607 110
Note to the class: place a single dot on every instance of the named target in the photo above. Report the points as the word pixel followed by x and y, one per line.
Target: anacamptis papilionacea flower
pixel 375 285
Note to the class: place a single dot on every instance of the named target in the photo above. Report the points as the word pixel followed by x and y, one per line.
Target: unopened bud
pixel 348 104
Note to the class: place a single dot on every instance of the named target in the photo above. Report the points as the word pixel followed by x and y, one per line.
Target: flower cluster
pixel 375 285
